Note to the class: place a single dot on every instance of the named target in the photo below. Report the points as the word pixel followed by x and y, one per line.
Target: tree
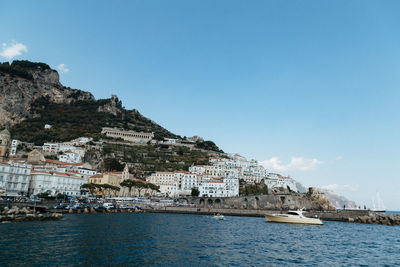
pixel 128 183
pixel 195 192
pixel 112 164
pixel 140 186
pixel 154 187
pixel 114 189
pixel 90 187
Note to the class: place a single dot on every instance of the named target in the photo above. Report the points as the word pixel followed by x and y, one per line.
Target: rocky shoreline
pixel 377 218
pixel 16 214
pixel 25 214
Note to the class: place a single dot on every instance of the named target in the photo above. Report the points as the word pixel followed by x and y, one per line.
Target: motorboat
pixel 292 216
pixel 219 217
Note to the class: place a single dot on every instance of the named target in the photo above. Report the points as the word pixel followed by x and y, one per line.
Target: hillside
pixel 32 96
pixel 23 82
pixel 81 118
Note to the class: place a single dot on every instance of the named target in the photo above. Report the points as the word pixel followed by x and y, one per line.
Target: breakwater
pixel 15 214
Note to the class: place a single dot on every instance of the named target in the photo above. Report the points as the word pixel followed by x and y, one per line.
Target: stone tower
pixel 125 173
pixel 5 140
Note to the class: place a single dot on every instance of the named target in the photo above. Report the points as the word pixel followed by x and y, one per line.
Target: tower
pixel 125 173
pixel 4 142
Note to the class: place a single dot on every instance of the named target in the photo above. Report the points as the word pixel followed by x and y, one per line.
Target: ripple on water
pixel 190 240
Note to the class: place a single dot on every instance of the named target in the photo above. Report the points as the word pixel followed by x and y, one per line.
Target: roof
pixel 62 163
pixel 55 173
pixel 5 131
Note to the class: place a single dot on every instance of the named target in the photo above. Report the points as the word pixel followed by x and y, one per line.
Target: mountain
pixel 338 201
pixel 24 82
pixel 31 96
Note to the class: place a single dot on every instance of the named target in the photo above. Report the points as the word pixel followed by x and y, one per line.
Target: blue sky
pixel 309 88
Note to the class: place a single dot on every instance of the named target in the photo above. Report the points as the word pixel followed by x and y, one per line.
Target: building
pixel 4 143
pixel 70 157
pixel 111 178
pixel 171 141
pixel 50 147
pixel 168 182
pixel 80 141
pixel 67 183
pixel 14 147
pixel 14 178
pixel 131 136
pixel 212 188
pixel 47 126
pixel 274 180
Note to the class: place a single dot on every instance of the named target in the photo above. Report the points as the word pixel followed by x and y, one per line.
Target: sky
pixel 308 88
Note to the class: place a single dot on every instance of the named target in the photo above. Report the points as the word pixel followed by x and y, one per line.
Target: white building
pixel 168 182
pixel 14 178
pixel 50 147
pixel 212 188
pixel 81 141
pixel 274 180
pixel 170 141
pixel 70 157
pixel 66 146
pixel 14 146
pixel 131 136
pixel 56 182
pixel 47 126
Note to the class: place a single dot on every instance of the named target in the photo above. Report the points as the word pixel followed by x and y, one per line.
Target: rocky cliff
pixel 23 82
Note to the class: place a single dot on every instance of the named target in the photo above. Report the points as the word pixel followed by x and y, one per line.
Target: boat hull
pixel 280 219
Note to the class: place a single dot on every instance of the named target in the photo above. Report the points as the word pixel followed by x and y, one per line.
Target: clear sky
pixel 309 88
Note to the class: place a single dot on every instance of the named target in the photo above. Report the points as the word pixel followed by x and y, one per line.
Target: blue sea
pixel 129 239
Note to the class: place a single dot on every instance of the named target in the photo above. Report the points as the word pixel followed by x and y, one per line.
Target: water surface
pixel 192 240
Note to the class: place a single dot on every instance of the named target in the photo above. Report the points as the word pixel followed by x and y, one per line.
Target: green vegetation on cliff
pixel 80 118
pixel 147 159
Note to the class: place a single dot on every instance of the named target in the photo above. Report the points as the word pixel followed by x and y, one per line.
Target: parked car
pixel 61 206
pixel 108 206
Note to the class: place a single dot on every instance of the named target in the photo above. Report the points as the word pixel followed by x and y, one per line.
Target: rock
pixel 92 210
pixel 38 82
pixel 85 211
pixel 351 220
pixel 5 210
pixel 57 215
pixel 70 211
pixel 11 211
pixel 19 219
pixel 24 210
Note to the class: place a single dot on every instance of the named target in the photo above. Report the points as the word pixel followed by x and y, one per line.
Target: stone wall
pixel 261 202
pixel 309 201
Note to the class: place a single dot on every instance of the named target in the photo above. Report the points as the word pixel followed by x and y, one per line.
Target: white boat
pixel 219 217
pixel 292 216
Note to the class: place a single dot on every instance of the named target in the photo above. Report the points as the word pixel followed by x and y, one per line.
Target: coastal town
pixel 58 169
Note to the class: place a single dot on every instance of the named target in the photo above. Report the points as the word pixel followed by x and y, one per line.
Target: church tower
pixel 5 140
pixel 125 174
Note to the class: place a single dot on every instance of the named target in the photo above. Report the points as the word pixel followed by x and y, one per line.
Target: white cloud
pixel 345 187
pixel 63 68
pixel 13 50
pixel 295 164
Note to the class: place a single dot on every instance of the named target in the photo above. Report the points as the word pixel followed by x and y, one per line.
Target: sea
pixel 151 239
